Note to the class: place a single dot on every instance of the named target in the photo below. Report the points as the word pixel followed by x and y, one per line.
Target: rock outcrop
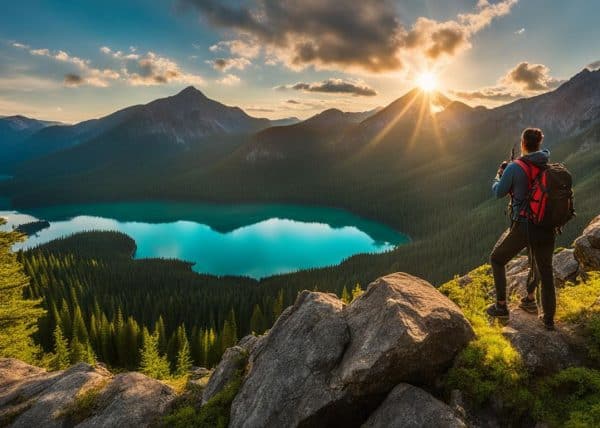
pixel 30 396
pixel 543 352
pixel 410 407
pixel 587 246
pixel 130 400
pixel 233 361
pixel 564 265
pixel 324 363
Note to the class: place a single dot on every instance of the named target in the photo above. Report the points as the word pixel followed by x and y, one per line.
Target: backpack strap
pixel 528 168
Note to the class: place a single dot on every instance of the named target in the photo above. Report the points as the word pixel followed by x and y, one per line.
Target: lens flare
pixel 427 81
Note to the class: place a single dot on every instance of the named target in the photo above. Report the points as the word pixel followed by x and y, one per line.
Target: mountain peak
pixel 191 91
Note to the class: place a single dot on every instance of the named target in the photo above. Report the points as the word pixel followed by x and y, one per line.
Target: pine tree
pixel 278 305
pixel 132 343
pixel 61 357
pixel 184 359
pixel 356 291
pixel 152 363
pixel 79 328
pixel 257 321
pixel 77 351
pixel 229 332
pixel 82 352
pixel 159 330
pixel 345 295
pixel 18 316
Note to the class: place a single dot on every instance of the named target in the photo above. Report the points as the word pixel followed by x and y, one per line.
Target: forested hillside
pixel 426 174
pixel 93 291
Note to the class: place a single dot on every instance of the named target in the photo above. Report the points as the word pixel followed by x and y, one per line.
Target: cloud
pixel 86 73
pixel 72 79
pixel 594 65
pixel 226 64
pixel 334 86
pixel 120 55
pixel 152 69
pixel 365 35
pixel 229 80
pixel 522 80
pixel 131 68
pixel 490 94
pixel 531 77
pixel 520 32
pixel 260 109
pixel 237 47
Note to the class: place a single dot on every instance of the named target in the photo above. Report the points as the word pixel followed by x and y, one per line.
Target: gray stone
pixel 131 400
pixel 232 362
pixel 407 406
pixel 47 406
pixel 32 397
pixel 587 246
pixel 323 363
pixel 289 380
pixel 198 373
pixel 393 325
pixel 565 266
pixel 542 351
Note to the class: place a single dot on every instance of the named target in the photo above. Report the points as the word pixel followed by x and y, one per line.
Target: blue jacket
pixel 515 179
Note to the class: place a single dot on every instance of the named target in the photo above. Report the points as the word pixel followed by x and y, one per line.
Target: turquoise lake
pixel 250 240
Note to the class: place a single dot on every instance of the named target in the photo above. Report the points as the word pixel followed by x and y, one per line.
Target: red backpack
pixel 550 198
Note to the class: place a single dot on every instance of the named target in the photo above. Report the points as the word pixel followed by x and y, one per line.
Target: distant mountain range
pixel 421 164
pixel 16 129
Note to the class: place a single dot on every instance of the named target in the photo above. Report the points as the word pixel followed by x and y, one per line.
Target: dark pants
pixel 541 248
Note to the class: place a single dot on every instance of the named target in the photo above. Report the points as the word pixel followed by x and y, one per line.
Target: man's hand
pixel 501 168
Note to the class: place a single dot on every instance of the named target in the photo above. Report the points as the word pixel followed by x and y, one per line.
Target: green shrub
pixel 570 398
pixel 489 366
pixel 580 304
pixel 214 414
pixel 84 405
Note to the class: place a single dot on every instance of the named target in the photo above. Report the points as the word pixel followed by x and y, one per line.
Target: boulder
pixel 232 363
pixel 46 407
pixel 130 400
pixel 407 406
pixel 397 321
pixel 289 380
pixel 324 364
pixel 197 373
pixel 587 246
pixel 12 370
pixel 30 396
pixel 517 272
pixel 543 352
pixel 565 266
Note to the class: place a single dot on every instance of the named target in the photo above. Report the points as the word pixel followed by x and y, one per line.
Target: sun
pixel 427 81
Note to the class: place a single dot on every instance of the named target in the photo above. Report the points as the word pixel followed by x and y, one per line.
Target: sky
pixel 74 60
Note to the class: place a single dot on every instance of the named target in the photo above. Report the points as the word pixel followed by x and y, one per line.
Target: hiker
pixel 515 178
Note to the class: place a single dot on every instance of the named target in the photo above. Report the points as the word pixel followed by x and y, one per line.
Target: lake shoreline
pixel 246 240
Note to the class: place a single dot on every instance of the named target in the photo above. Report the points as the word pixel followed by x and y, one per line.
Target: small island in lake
pixel 32 227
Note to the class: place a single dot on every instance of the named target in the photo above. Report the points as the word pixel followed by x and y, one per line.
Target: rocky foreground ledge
pixel 376 363
pixel 82 396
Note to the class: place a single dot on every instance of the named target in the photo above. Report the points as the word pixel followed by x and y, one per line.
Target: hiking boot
pixel 497 311
pixel 549 325
pixel 528 305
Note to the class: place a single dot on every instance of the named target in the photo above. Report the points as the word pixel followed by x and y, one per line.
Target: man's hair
pixel 532 138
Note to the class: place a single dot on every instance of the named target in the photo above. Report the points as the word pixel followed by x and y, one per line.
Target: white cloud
pixel 134 68
pixel 229 80
pixel 226 64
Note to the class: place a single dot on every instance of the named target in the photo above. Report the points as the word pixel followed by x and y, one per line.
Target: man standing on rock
pixel 514 178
